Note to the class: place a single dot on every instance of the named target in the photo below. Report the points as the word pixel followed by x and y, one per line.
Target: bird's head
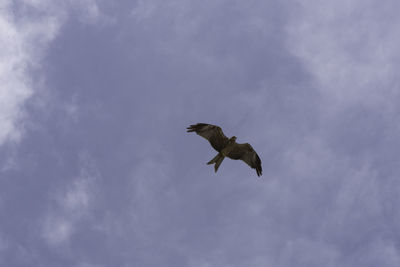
pixel 232 139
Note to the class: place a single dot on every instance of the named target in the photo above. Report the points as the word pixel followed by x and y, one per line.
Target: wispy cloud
pixel 21 42
pixel 68 206
pixel 26 30
pixel 300 81
pixel 351 48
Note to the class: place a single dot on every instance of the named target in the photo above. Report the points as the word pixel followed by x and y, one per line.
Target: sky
pixel 96 166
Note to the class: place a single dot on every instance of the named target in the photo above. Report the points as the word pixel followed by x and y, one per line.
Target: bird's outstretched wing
pixel 246 153
pixel 212 133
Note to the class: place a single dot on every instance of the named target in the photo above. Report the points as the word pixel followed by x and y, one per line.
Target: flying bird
pixel 226 147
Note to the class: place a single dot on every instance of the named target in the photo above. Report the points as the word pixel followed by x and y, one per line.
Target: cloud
pixel 324 198
pixel 27 28
pixel 16 42
pixel 350 50
pixel 57 230
pixel 71 204
pixel 350 47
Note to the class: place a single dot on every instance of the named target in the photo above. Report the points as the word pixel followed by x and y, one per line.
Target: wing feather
pixel 212 133
pixel 246 153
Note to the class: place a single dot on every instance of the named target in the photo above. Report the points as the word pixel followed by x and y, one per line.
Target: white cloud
pixel 57 230
pixel 15 86
pixel 23 42
pixel 70 205
pixel 351 48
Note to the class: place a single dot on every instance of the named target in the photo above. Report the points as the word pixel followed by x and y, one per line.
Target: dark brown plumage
pixel 227 147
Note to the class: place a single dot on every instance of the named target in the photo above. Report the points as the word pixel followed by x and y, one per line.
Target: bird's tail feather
pixel 217 160
pixel 214 159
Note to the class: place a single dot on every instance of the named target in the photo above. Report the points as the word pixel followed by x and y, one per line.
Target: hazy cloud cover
pixel 96 168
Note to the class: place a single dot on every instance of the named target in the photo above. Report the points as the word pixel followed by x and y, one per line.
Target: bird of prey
pixel 227 147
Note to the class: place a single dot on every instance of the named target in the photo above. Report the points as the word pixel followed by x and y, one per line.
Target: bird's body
pixel 227 147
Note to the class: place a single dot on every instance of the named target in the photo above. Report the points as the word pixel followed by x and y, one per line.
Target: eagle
pixel 226 147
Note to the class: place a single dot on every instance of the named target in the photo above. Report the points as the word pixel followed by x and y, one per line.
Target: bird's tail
pixel 217 160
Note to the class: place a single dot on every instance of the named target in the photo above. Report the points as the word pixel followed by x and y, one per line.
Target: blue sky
pixel 96 167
